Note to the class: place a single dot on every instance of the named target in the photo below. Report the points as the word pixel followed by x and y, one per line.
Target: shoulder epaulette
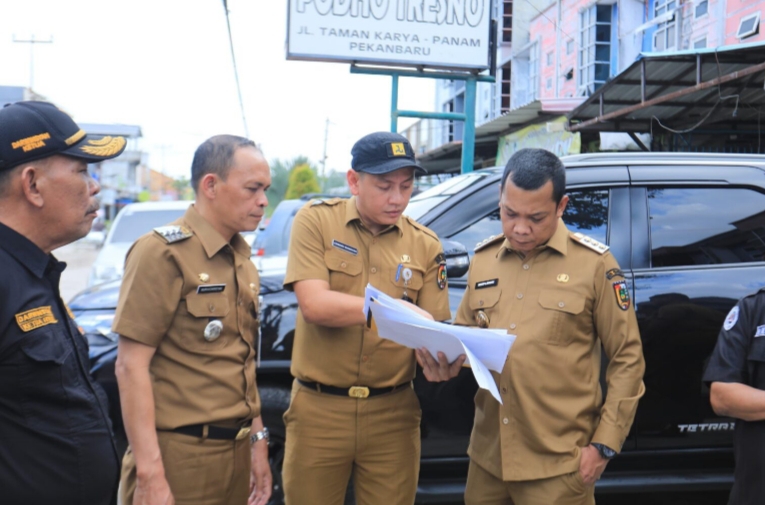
pixel 421 227
pixel 590 242
pixel 488 241
pixel 319 201
pixel 173 234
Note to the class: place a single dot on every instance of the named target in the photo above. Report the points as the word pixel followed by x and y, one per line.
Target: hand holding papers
pixel 485 349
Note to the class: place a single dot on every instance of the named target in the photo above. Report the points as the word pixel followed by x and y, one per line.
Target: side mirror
pixel 457 259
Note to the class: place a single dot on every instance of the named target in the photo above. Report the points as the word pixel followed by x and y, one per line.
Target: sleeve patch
pixel 731 319
pixel 622 294
pixel 441 276
pixel 614 272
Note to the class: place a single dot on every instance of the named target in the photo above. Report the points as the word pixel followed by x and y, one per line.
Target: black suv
pixel 688 231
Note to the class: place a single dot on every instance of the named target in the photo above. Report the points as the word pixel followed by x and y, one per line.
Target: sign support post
pixel 468 138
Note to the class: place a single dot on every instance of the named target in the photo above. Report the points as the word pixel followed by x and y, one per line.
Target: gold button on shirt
pixel 562 301
pixel 195 381
pixel 330 243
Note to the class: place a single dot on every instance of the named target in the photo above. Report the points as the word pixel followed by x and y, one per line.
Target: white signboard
pixel 432 33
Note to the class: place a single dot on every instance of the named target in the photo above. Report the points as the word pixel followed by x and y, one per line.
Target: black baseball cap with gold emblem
pixel 383 152
pixel 31 131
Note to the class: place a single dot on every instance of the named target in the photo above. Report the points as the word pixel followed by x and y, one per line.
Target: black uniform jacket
pixel 56 444
pixel 739 356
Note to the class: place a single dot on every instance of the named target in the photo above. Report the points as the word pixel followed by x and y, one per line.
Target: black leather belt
pixel 353 391
pixel 214 432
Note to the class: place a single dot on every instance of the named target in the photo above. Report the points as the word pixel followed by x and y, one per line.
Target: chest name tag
pixel 210 288
pixel 486 284
pixel 345 247
pixel 35 318
pixel 760 331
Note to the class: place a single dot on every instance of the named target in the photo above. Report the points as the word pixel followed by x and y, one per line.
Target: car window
pixel 586 212
pixel 706 226
pixel 275 238
pixel 422 203
pixel 132 225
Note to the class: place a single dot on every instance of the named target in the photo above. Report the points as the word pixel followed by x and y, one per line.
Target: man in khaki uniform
pixel 188 319
pixel 563 295
pixel 353 408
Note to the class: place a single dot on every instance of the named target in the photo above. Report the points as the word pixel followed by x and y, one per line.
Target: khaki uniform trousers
pixel 483 488
pixel 377 439
pixel 199 471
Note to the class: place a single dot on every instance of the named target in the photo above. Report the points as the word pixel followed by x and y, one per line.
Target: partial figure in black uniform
pixel 56 443
pixel 736 375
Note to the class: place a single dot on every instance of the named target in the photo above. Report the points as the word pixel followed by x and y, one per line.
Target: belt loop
pixel 318 387
pixel 205 431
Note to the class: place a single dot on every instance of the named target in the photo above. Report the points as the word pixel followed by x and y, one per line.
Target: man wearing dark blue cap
pixel 353 410
pixel 55 436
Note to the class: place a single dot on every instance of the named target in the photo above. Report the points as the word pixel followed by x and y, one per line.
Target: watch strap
pixel 605 451
pixel 259 435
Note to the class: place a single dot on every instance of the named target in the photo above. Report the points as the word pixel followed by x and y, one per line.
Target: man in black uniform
pixel 736 374
pixel 56 444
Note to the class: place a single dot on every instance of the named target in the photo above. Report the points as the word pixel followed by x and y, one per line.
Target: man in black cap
pixel 353 410
pixel 56 444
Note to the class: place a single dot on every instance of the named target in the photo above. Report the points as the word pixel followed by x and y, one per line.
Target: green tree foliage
pixel 183 187
pixel 302 181
pixel 280 179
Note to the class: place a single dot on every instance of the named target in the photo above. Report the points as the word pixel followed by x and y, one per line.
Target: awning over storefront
pixel 719 88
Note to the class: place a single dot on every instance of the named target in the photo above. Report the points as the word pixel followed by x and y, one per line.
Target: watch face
pixel 605 451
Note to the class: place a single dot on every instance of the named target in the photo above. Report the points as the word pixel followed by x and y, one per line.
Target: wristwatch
pixel 259 435
pixel 605 451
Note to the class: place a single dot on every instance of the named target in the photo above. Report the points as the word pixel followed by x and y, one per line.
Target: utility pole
pixel 32 41
pixel 324 157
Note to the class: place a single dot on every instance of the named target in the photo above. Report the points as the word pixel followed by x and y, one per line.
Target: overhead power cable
pixel 236 71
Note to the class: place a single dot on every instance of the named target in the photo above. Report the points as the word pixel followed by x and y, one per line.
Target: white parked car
pixel 134 220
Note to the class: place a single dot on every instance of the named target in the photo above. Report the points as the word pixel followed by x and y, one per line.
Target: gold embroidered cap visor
pixel 32 131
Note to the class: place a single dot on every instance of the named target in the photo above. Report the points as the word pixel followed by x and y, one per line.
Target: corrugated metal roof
pixel 732 104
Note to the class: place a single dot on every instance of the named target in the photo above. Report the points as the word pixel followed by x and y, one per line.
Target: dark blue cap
pixel 32 131
pixel 383 152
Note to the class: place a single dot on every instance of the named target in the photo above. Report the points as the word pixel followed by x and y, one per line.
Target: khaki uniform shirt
pixel 170 292
pixel 562 301
pixel 329 242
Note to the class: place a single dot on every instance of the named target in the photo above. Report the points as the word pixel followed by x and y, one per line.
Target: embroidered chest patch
pixel 35 318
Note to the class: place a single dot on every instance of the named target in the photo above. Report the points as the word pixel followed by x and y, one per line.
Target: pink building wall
pixel 542 29
pixel 735 11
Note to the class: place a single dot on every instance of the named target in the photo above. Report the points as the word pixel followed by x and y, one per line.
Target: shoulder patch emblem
pixel 35 318
pixel 590 242
pixel 173 234
pixel 731 319
pixel 441 276
pixel 760 331
pixel 488 241
pixel 622 294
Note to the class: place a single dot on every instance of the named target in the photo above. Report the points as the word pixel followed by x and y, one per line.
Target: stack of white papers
pixel 485 349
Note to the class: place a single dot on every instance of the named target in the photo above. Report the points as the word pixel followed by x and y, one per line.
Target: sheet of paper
pixel 485 349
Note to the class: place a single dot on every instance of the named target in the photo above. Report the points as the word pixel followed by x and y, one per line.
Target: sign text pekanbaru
pixel 434 33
